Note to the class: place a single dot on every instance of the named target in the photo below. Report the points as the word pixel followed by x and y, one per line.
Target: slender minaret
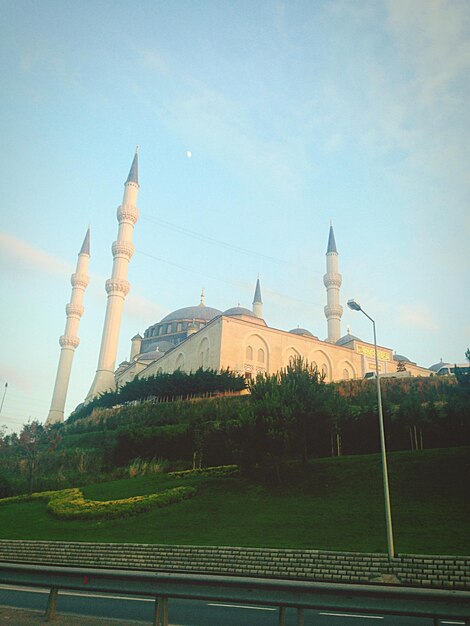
pixel 332 281
pixel 257 302
pixel 69 340
pixel 117 287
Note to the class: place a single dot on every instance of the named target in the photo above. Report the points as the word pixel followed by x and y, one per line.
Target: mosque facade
pixel 238 339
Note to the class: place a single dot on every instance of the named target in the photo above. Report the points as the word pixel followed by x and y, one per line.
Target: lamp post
pixel 355 306
pixel 3 398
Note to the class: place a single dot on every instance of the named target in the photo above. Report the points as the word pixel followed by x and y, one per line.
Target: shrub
pixel 209 472
pixel 69 504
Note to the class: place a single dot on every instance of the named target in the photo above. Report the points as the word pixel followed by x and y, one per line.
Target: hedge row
pixel 209 472
pixel 70 504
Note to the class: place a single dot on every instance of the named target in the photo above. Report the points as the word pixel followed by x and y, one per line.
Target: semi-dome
pixel 239 310
pixel 301 331
pixel 199 312
pixel 347 339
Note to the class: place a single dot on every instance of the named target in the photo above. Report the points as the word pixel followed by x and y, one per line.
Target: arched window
pixel 346 374
pixel 249 353
pixel 261 355
pixel 180 362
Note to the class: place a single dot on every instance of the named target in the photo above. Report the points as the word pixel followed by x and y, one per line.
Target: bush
pixel 207 472
pixel 70 504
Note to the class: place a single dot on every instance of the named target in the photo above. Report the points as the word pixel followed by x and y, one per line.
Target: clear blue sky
pixel 296 113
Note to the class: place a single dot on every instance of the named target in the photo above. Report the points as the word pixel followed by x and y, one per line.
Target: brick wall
pixel 320 565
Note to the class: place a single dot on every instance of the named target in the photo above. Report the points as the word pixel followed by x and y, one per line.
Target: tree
pixel 32 438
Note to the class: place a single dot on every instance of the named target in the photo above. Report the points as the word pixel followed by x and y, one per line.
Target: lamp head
pixel 354 305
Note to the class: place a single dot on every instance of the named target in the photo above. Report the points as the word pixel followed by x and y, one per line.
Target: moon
pixel 189 154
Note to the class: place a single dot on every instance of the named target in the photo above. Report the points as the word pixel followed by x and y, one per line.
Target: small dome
pixel 301 331
pixel 199 312
pixel 400 357
pixel 159 346
pixel 150 356
pixel 437 366
pixel 239 310
pixel 347 339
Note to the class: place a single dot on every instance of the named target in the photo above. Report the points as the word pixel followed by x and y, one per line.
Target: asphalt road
pixel 133 611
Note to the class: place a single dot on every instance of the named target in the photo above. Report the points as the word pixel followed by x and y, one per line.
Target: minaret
pixel 69 340
pixel 332 281
pixel 257 302
pixel 117 287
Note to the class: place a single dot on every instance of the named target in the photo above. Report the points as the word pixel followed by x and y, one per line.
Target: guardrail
pixel 436 604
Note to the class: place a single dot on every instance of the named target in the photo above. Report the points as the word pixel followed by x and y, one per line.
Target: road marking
pixel 241 606
pixel 443 622
pixel 80 594
pixel 352 615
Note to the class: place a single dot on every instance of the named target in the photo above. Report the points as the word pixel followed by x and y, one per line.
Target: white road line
pixel 352 615
pixel 79 594
pixel 241 606
pixel 443 622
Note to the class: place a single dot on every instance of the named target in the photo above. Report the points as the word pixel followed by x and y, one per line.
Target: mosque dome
pixel 199 312
pixel 301 331
pixel 239 310
pixel 152 355
pixel 437 366
pixel 347 339
pixel 400 357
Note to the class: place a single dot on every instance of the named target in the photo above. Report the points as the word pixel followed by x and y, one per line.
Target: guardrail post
pixel 282 616
pixel 51 605
pixel 300 617
pixel 161 611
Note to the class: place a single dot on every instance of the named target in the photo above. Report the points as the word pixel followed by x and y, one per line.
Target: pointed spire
pixel 134 171
pixel 331 241
pixel 202 298
pixel 85 249
pixel 257 296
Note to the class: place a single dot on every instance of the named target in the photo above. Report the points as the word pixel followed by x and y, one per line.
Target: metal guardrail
pixel 435 604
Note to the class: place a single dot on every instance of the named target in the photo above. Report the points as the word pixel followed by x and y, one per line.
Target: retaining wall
pixel 319 565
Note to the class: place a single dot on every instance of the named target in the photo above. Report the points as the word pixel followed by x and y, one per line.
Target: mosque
pixel 198 336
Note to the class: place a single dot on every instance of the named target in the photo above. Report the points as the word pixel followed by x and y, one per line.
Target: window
pixel 249 353
pixel 346 374
pixel 261 355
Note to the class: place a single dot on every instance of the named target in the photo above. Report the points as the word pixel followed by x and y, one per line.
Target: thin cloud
pixel 416 317
pixel 20 256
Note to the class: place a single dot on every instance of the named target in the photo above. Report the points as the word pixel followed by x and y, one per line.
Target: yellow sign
pixel 370 352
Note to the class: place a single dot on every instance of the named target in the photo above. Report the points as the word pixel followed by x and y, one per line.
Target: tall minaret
pixel 69 340
pixel 117 287
pixel 257 302
pixel 332 281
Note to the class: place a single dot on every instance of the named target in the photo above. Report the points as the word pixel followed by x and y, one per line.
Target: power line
pixel 218 242
pixel 223 280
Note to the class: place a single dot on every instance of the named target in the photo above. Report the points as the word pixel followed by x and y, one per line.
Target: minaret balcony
pixel 117 287
pixel 128 213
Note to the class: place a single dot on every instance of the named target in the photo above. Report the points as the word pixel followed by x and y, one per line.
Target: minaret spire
pixel 257 301
pixel 332 281
pixel 117 287
pixel 69 340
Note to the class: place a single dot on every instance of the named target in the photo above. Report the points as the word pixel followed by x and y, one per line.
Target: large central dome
pixel 177 326
pixel 199 312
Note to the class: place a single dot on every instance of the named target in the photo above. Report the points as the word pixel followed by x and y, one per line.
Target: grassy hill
pixel 334 504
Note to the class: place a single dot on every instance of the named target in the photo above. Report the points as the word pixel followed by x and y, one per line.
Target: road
pixel 132 610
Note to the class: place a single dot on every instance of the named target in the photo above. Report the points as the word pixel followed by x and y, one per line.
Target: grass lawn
pixel 335 504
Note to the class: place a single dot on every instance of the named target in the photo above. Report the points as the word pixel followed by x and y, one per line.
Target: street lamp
pixel 355 306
